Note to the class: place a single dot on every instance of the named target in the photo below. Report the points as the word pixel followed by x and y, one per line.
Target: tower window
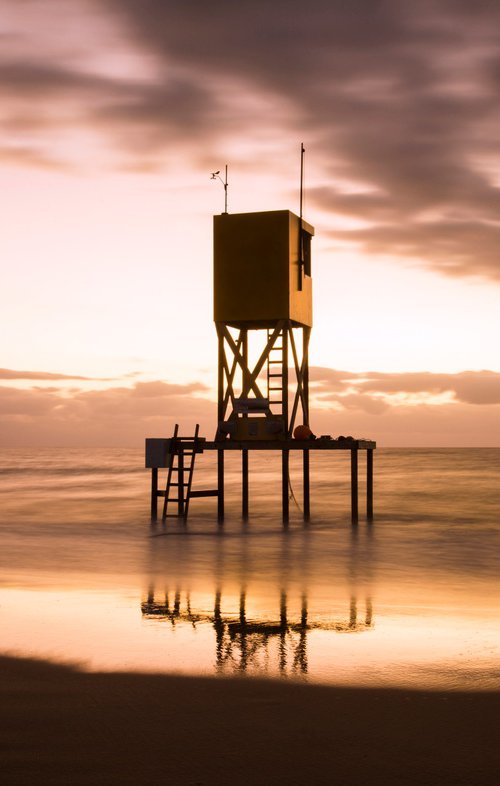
pixel 306 252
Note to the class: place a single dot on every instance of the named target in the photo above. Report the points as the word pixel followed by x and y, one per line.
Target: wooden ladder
pixel 275 371
pixel 178 489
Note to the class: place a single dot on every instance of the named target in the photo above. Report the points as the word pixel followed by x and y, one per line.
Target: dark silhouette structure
pixel 263 319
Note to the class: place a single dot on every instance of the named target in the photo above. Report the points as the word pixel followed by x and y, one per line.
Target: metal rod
pixel 284 484
pixel 154 494
pixel 244 478
pixel 302 153
pixel 354 485
pixel 301 201
pixel 306 485
pixel 216 176
pixel 369 484
pixel 225 192
pixel 220 485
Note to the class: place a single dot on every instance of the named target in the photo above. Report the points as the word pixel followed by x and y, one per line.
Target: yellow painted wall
pixel 256 269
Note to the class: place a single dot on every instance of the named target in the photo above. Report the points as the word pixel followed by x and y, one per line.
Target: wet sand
pixel 60 725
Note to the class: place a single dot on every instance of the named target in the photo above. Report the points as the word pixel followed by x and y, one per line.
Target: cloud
pixel 400 101
pixel 26 403
pixel 115 416
pixel 31 158
pixel 162 389
pixel 8 373
pixel 396 101
pixel 457 425
pixel 35 78
pixel 355 389
pixel 396 409
pixel 408 409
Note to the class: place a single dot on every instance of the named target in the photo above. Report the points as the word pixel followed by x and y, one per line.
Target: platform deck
pixel 291 444
pixel 284 446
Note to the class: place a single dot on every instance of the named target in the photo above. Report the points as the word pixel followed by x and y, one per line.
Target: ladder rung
pixel 207 493
pixel 274 375
pixel 275 362
pixel 186 483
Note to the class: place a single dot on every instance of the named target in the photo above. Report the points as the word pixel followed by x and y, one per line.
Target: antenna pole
pixel 225 192
pixel 300 249
pixel 302 153
pixel 216 176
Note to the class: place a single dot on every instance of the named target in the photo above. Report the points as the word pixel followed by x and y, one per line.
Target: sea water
pixel 411 599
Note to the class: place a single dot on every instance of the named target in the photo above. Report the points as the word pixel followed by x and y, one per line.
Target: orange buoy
pixel 302 432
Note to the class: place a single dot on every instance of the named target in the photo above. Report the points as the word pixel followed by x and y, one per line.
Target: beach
pixel 61 725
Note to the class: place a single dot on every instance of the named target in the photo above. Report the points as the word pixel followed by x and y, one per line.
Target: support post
pixel 283 611
pixel 180 481
pixel 220 418
pixel 284 484
pixel 154 494
pixel 285 456
pixel 244 453
pixel 306 334
pixel 244 354
pixel 369 484
pixel 283 632
pixel 306 485
pixel 220 378
pixel 220 486
pixel 284 376
pixel 354 485
pixel 244 484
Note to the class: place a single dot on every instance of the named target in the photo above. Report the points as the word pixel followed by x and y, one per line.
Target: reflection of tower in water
pixel 242 642
pixel 256 643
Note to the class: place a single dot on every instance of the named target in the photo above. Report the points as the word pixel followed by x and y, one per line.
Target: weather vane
pixel 216 175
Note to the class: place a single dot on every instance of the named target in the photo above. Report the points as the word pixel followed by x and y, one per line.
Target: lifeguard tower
pixel 262 285
pixel 263 317
pixel 262 290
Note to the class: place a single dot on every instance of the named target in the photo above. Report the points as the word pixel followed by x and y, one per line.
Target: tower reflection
pixel 261 642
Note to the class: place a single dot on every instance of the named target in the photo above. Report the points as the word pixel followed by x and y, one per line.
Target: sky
pixel 113 115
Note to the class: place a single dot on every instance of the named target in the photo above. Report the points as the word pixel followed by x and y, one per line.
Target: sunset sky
pixel 113 115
